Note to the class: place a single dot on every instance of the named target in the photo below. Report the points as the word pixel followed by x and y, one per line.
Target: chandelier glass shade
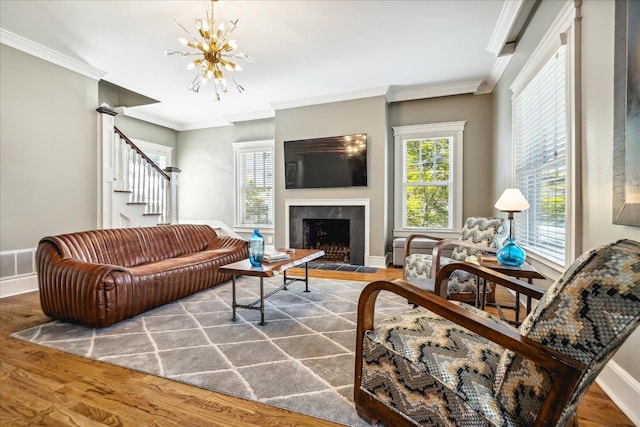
pixel 216 54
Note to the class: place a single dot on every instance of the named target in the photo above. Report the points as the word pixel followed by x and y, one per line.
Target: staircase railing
pixel 138 175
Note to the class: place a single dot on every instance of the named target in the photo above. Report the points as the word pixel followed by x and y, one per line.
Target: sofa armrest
pixel 71 288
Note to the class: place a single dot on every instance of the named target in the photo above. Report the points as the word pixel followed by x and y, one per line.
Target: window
pixel 254 184
pixel 428 177
pixel 545 160
pixel 540 160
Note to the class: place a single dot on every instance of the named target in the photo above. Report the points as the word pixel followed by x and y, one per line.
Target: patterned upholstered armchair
pixel 478 235
pixel 449 364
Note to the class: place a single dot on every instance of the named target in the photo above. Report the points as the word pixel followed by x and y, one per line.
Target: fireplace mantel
pixel 331 202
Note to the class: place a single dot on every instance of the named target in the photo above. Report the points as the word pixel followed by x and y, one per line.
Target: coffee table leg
pixel 233 293
pixel 306 277
pixel 262 323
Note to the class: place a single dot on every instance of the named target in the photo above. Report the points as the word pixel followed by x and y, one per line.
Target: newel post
pixel 106 166
pixel 173 194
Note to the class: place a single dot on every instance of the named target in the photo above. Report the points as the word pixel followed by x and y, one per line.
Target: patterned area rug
pixel 301 360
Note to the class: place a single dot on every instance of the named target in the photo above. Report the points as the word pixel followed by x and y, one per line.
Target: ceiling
pixel 304 52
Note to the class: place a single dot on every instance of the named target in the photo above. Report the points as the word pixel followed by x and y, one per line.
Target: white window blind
pixel 254 175
pixel 540 138
pixel 428 182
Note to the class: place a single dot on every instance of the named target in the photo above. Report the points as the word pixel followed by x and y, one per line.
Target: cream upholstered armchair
pixel 448 364
pixel 478 235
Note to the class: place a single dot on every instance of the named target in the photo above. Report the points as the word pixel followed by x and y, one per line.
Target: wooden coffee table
pixel 269 269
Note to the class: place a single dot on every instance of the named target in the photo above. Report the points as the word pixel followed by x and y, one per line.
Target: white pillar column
pixel 106 167
pixel 173 194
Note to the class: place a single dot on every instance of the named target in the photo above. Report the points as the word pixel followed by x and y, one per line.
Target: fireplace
pixel 329 235
pixel 338 230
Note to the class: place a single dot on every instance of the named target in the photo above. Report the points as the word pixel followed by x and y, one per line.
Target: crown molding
pixel 203 125
pixel 408 93
pixel 244 116
pixel 326 99
pixel 508 16
pixel 496 72
pixel 131 112
pixel 18 42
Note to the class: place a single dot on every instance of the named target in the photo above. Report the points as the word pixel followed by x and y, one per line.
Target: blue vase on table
pixel 256 248
pixel 511 254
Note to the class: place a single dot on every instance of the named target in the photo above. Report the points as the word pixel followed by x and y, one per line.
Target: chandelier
pixel 216 54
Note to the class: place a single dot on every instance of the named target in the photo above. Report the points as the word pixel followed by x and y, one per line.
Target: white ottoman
pixel 418 246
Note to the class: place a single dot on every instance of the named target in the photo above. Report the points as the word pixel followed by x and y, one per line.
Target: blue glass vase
pixel 511 254
pixel 256 248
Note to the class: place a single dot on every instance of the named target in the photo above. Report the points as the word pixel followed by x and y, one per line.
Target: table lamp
pixel 511 201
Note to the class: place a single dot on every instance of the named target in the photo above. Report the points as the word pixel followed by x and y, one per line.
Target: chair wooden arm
pixel 437 251
pixel 567 370
pixel 524 288
pixel 407 243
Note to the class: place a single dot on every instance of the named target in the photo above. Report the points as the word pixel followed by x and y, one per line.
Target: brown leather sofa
pixel 99 277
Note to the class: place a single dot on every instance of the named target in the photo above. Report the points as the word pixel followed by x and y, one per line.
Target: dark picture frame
pixel 626 120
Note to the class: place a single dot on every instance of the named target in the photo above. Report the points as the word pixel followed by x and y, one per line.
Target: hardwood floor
pixel 41 386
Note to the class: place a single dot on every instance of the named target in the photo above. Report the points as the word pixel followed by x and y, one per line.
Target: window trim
pixel 251 147
pixel 565 30
pixel 430 130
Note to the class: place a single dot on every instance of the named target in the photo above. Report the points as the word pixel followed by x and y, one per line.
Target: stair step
pixel 152 214
pixel 137 203
pixel 123 191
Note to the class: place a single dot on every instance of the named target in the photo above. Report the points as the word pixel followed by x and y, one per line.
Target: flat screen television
pixel 337 161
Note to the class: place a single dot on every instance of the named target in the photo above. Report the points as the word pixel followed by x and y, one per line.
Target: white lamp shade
pixel 512 200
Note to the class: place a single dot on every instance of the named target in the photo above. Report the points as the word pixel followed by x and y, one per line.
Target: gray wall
pixel 340 118
pixel 476 110
pixel 205 156
pixel 48 153
pixel 146 131
pixel 597 132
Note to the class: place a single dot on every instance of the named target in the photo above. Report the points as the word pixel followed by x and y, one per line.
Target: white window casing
pixel 453 133
pixel 254 181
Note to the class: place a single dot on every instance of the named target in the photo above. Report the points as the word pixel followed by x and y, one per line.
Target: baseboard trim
pixel 18 285
pixel 622 388
pixel 377 261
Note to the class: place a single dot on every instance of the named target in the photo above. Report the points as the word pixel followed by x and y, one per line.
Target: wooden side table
pixel 524 271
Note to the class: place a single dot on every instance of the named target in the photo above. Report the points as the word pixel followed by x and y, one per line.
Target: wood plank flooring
pixel 41 386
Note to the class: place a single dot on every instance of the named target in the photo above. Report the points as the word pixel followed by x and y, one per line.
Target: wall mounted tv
pixel 337 161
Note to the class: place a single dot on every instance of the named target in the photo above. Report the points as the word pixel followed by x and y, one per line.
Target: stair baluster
pixel 136 173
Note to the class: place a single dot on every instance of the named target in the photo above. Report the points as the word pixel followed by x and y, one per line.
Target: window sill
pixel 249 229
